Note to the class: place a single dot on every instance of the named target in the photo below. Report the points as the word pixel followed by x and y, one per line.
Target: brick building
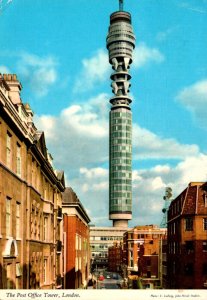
pixel 77 249
pixel 115 257
pixel 187 238
pixel 141 253
pixel 30 198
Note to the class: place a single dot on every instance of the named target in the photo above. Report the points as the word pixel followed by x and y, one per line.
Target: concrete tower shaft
pixel 120 45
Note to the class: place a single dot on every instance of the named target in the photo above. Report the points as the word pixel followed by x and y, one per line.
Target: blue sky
pixel 57 49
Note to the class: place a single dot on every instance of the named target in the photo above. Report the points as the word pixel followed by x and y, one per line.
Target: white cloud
pixel 149 145
pixel 4 70
pixel 78 141
pixel 194 98
pixel 39 72
pixel 144 55
pixel 149 190
pixel 94 173
pixel 97 68
pixel 94 70
pixel 78 135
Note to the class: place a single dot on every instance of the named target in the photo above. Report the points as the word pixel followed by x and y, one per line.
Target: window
pixel 9 272
pixel 0 219
pixel 79 266
pixel 80 243
pixel 76 242
pixel 148 274
pixel 18 160
pixel 8 216
pixel 148 262
pixel 188 224
pixel 18 235
pixel 189 269
pixel 204 269
pixel 76 264
pixel 204 246
pixel 205 199
pixel 45 270
pixel 131 263
pixel 189 246
pixel 45 229
pixel 204 223
pixel 18 276
pixel 8 150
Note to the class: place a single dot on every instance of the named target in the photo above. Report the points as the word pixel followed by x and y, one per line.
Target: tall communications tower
pixel 120 44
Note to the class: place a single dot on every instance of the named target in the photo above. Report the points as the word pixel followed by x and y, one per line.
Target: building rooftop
pixel 71 200
pixel 69 196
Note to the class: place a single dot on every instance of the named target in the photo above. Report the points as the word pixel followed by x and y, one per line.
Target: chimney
pixel 14 86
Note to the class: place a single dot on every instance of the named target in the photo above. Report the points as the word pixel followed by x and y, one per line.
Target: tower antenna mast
pixel 121 5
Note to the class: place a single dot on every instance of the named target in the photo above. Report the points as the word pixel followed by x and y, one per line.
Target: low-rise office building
pixel 101 238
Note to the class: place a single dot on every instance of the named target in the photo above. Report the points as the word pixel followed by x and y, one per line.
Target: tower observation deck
pixel 120 44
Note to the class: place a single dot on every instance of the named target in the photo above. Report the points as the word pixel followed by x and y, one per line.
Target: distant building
pixel 101 238
pixel 141 253
pixel 115 257
pixel 187 238
pixel 30 198
pixel 77 248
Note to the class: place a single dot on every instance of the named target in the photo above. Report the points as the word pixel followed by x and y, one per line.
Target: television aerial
pixel 167 198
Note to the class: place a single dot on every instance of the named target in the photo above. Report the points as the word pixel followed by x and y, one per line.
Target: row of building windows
pixel 121 181
pixel 121 128
pixel 105 238
pixel 188 269
pixel 37 179
pixel 120 161
pixel 121 201
pixel 121 134
pixel 188 225
pixel 120 114
pixel 121 121
pixel 121 168
pixel 121 154
pixel 188 247
pixel 120 208
pixel 117 36
pixel 9 154
pixel 118 28
pixel 37 221
pixel 121 188
pixel 121 49
pixel 120 194
pixel 121 141
pixel 121 148
pixel 9 218
pixel 126 52
pixel 99 246
pixel 121 175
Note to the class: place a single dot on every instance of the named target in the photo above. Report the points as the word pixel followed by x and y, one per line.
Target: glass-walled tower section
pixel 120 45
